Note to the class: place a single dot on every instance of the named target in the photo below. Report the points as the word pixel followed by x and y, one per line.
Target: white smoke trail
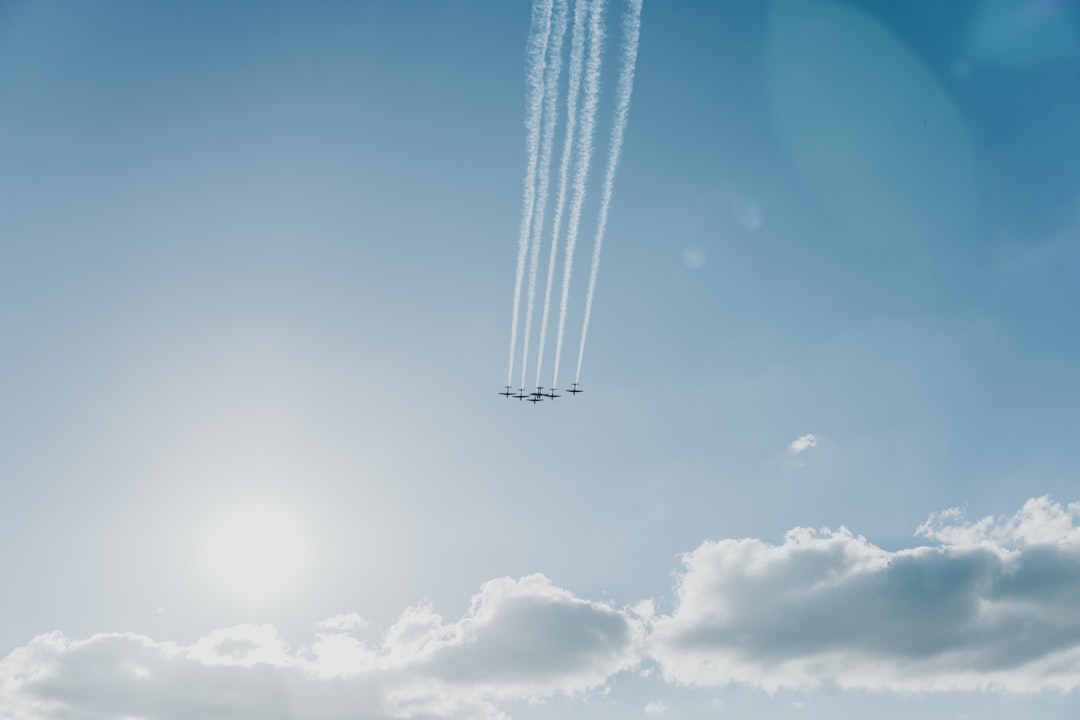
pixel 539 30
pixel 581 169
pixel 543 178
pixel 623 91
pixel 577 61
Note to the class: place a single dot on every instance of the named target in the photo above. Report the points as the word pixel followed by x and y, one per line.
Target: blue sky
pixel 256 273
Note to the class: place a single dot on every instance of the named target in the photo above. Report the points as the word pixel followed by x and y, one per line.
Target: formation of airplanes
pixel 537 395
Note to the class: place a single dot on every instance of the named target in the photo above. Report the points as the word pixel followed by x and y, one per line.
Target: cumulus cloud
pixel 557 643
pixel 802 443
pixel 656 707
pixel 986 604
pixel 113 676
pixel 521 638
pixel 347 623
pixel 830 606
pixel 1039 521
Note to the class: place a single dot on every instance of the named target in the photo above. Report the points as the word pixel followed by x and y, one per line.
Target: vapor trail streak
pixel 623 91
pixel 581 169
pixel 539 31
pixel 577 61
pixel 548 123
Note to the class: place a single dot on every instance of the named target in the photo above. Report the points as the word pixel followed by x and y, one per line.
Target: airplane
pixel 534 398
pixel 538 392
pixel 574 389
pixel 507 393
pixel 551 394
pixel 521 394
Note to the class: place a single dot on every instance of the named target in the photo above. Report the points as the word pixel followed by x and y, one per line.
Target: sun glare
pixel 256 552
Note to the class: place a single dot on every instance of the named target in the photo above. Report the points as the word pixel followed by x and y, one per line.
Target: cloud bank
pixel 989 605
pixel 525 639
pixel 993 606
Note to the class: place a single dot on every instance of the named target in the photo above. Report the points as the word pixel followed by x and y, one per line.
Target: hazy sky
pixel 256 274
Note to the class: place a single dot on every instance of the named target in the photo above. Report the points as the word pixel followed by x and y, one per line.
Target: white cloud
pixel 530 638
pixel 829 606
pixel 802 443
pixel 990 604
pixel 242 646
pixel 1039 521
pixel 350 622
pixel 657 707
pixel 520 639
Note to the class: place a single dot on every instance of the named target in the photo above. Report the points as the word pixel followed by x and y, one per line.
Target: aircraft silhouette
pixel 551 394
pixel 521 394
pixel 574 389
pixel 507 392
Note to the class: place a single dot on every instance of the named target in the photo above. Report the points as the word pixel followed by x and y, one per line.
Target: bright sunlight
pixel 256 552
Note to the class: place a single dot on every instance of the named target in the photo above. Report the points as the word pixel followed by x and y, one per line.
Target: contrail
pixel 577 60
pixel 548 123
pixel 581 170
pixel 539 30
pixel 623 91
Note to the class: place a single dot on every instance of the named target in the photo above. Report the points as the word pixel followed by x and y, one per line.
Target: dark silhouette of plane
pixel 521 394
pixel 551 394
pixel 535 398
pixel 507 392
pixel 574 389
